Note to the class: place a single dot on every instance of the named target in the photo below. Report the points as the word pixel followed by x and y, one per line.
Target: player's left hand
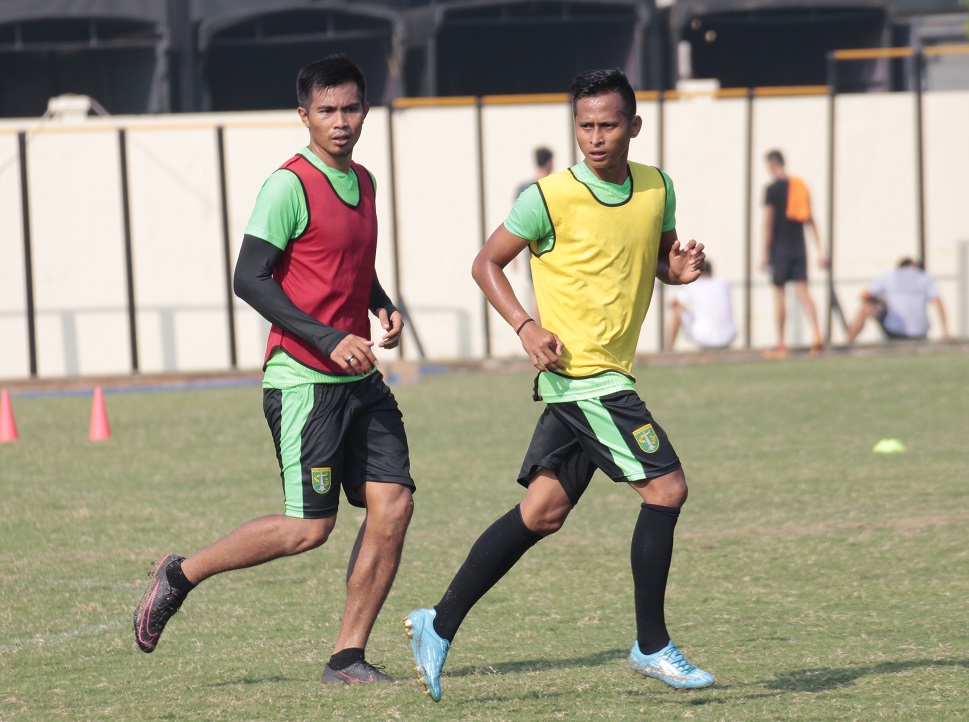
pixel 686 261
pixel 393 324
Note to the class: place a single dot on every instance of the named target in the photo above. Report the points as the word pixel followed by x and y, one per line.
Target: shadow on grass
pixel 805 680
pixel 608 656
pixel 270 679
pixel 823 679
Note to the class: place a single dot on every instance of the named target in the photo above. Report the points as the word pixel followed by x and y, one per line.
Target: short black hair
pixel 907 262
pixel 331 71
pixel 593 83
pixel 775 156
pixel 542 156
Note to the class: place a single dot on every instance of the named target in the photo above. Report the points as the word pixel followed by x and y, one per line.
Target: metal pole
pixel 28 257
pixel 479 130
pixel 227 249
pixel 394 221
pixel 748 223
pixel 128 261
pixel 963 290
pixel 832 96
pixel 918 59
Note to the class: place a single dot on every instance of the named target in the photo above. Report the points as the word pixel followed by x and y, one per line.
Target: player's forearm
pixel 493 282
pixel 379 298
pixel 253 282
pixel 810 224
pixel 941 311
pixel 768 230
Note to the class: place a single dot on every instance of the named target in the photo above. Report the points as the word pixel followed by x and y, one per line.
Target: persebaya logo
pixel 647 439
pixel 322 480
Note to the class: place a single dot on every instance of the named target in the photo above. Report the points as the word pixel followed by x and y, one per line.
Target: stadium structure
pixel 161 56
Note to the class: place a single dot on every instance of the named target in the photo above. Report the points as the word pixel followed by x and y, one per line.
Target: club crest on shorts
pixel 646 438
pixel 322 479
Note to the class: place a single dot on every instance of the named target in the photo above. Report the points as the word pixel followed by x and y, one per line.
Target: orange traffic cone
pixel 100 428
pixel 8 426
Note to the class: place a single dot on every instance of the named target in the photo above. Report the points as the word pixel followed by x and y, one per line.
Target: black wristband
pixel 519 329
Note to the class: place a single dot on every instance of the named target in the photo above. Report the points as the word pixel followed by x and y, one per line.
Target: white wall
pixel 946 168
pixel 445 208
pixel 177 249
pixel 15 354
pixel 77 243
pixel 439 232
pixel 875 190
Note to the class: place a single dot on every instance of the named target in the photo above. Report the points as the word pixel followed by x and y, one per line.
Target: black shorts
pixel 614 433
pixel 329 436
pixel 788 267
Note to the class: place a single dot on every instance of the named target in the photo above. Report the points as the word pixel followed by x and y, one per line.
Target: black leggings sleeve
pixel 253 282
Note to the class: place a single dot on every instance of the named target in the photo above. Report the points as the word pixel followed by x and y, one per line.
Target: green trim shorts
pixel 614 433
pixel 329 436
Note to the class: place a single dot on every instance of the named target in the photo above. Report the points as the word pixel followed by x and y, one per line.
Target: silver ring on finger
pixel 351 358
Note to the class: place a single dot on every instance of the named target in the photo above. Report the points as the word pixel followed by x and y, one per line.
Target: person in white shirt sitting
pixel 704 310
pixel 899 301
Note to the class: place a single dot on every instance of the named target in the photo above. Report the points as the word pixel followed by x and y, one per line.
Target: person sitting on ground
pixel 898 301
pixel 704 310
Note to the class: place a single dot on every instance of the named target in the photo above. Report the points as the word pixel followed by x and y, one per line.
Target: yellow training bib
pixel 595 282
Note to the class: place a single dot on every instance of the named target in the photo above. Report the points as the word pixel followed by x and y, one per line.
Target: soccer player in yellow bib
pixel 599 233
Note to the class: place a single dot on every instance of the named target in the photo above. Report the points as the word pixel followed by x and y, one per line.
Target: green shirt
pixel 279 216
pixel 280 213
pixel 529 219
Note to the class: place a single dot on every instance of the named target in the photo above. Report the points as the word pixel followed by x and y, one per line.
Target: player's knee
pixel 400 510
pixel 670 490
pixel 545 521
pixel 312 533
pixel 389 511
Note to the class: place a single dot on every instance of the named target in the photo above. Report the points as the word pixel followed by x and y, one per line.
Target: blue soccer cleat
pixel 670 666
pixel 429 649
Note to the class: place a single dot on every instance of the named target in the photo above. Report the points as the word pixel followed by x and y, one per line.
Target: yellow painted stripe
pixel 774 91
pixel 873 53
pixel 529 98
pixel 732 93
pixel 435 102
pixel 947 50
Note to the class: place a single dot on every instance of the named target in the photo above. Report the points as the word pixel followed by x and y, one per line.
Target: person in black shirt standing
pixel 787 212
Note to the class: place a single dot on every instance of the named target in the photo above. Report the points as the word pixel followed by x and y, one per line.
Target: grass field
pixel 816 579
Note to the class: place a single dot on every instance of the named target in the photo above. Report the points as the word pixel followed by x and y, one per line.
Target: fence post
pixel 28 257
pixel 963 290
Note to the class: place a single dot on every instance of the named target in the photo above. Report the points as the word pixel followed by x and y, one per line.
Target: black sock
pixel 177 578
pixel 495 552
pixel 651 554
pixel 345 657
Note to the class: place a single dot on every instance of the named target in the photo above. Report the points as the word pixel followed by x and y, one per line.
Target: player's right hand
pixel 354 355
pixel 543 347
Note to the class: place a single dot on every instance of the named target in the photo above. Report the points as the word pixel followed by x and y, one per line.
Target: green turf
pixel 815 579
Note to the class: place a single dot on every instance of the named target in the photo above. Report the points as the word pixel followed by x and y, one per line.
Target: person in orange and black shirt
pixel 787 212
